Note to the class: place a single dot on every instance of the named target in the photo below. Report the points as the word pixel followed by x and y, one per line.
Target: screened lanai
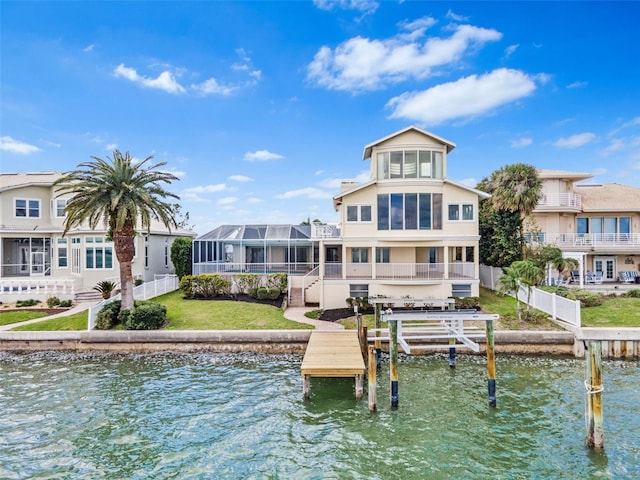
pixel 256 249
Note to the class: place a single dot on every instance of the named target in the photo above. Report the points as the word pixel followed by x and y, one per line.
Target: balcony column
pixel 373 262
pixel 446 262
pixel 344 261
pixel 321 259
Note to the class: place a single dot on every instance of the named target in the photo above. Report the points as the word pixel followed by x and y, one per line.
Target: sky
pixel 261 109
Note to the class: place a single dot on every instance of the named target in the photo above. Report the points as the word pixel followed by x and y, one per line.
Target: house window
pixel 358 290
pixel 410 211
pixel 146 252
pixel 166 254
pixel 97 255
pixel 461 290
pixel 27 208
pixel 383 254
pixel 410 164
pixel 63 253
pixel 60 204
pixel 332 255
pixel 358 213
pixel 460 212
pixel 469 254
pixel 360 255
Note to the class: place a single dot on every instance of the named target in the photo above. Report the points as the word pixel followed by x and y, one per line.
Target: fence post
pixel 553 306
pixel 578 315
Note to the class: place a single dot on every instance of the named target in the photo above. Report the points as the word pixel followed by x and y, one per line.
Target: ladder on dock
pixel 333 354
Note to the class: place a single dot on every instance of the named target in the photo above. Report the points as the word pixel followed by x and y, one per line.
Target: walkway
pixel 297 315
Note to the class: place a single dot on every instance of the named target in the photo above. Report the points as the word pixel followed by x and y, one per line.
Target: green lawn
pixel 614 312
pixel 223 315
pixel 7 318
pixel 69 322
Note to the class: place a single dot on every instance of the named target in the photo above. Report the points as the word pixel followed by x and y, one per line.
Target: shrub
pixel 587 298
pixel 351 302
pixel 262 293
pixel 313 314
pixel 65 303
pixel 27 303
pixel 181 252
pixel 247 282
pixel 138 282
pixel 53 302
pixel 465 303
pixel 186 286
pixel 106 288
pixel 273 293
pixel 277 280
pixel 221 285
pixel 108 316
pixel 534 316
pixel 149 316
pixel 634 293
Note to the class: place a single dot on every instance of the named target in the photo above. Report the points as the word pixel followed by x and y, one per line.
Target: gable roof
pixel 368 148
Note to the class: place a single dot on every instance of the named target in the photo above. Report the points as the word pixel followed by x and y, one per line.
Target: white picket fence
pixel 161 285
pixel 558 307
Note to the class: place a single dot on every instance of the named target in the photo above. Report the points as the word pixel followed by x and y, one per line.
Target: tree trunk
pixel 123 242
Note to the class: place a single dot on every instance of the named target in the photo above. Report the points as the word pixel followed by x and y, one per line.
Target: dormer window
pixel 409 164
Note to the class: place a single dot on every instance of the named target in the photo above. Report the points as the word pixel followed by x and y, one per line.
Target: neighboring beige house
pixel 34 254
pixel 408 231
pixel 597 224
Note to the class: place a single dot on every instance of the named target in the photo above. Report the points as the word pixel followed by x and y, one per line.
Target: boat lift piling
pixel 593 385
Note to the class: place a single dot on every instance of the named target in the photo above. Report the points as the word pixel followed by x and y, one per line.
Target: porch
pixel 400 271
pixel 597 241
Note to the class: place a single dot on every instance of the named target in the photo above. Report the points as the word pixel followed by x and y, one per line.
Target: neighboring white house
pixel 407 231
pixel 34 253
pixel 597 223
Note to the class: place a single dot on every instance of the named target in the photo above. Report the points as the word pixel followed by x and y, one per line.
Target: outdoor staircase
pixel 87 296
pixel 296 298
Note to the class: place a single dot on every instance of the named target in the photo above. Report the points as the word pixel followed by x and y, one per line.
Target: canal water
pixel 242 417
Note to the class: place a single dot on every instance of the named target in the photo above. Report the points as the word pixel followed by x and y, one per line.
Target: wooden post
pixel 491 363
pixel 306 386
pixel 359 386
pixel 593 384
pixel 393 367
pixel 452 353
pixel 377 327
pixel 372 379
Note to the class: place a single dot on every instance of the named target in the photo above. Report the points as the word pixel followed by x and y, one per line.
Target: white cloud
pixel 111 147
pixel 575 141
pixel 361 64
pixel 165 81
pixel 177 173
pixel 51 144
pixel 521 142
pixel 466 98
pixel 365 6
pixel 253 200
pixel 469 182
pixel 599 171
pixel 213 87
pixel 240 178
pixel 458 18
pixel 262 156
pixel 318 172
pixel 9 144
pixel 89 48
pixel 577 84
pixel 309 192
pixel 212 188
pixel 510 50
pixel 227 200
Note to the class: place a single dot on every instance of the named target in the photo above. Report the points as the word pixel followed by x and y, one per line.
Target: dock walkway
pixel 333 354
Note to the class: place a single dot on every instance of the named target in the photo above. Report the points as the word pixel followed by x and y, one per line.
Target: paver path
pixel 297 315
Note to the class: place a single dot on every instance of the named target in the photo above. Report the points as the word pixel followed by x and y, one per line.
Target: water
pixel 243 417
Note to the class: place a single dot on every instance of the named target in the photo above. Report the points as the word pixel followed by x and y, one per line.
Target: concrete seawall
pixel 615 344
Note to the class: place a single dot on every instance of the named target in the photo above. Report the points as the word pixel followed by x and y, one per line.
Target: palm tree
pixel 516 188
pixel 552 257
pixel 520 273
pixel 121 194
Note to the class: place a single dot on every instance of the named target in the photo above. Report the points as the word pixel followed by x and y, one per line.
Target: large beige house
pixel 597 224
pixel 408 231
pixel 35 256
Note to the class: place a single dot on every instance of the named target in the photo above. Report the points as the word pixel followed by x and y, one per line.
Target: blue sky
pixel 261 108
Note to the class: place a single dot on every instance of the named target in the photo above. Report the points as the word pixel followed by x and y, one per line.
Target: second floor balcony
pixel 400 271
pixel 586 240
pixel 560 201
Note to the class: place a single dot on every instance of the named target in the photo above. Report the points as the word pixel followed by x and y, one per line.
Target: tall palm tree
pixel 120 194
pixel 523 273
pixel 516 188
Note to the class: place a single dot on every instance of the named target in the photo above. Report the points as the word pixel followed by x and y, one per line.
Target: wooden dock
pixel 333 354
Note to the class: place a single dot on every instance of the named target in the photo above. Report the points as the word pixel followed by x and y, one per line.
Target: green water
pixel 243 417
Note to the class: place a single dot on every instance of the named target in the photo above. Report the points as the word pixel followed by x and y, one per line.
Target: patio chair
pixel 626 277
pixel 598 278
pixel 575 276
pixel 589 277
pixel 563 282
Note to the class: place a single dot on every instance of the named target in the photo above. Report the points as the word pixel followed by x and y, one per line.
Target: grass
pixel 614 312
pixel 223 315
pixel 7 318
pixel 77 321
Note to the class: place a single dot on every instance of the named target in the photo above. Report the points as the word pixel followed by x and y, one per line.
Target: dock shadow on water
pixel 243 416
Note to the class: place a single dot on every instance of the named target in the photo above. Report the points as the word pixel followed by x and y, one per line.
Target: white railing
pixel 580 240
pixel 332 270
pixel 160 286
pixel 400 271
pixel 556 306
pixel 23 288
pixel 462 270
pixel 307 280
pixel 324 231
pixel 358 270
pixel 568 200
pixel 230 268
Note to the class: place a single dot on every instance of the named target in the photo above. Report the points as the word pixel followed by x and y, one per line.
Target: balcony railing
pixel 400 271
pixel 571 201
pixel 230 268
pixel 591 240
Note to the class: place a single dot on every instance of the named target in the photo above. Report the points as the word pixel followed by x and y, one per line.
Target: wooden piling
pixel 372 379
pixel 452 353
pixel 393 366
pixel 491 363
pixel 593 385
pixel 378 342
pixel 306 386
